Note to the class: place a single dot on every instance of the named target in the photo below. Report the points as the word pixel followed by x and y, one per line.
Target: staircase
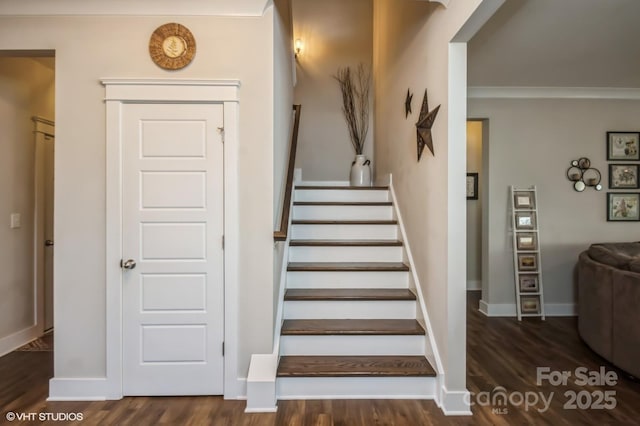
pixel 350 327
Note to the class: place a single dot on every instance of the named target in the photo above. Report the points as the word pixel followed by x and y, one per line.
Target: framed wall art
pixel 527 262
pixel 530 304
pixel 525 220
pixel 623 146
pixel 529 283
pixel 622 206
pixel 472 186
pixel 524 200
pixel 526 241
pixel 623 176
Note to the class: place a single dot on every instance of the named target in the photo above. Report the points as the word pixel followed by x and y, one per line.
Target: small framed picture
pixel 623 146
pixel 525 220
pixel 530 304
pixel 529 283
pixel 472 186
pixel 526 241
pixel 527 262
pixel 623 176
pixel 523 200
pixel 622 206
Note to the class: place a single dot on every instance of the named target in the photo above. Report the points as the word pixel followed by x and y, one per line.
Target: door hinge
pixel 222 348
pixel 223 242
pixel 221 130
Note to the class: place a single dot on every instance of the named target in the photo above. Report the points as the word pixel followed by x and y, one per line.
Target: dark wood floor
pixel 501 352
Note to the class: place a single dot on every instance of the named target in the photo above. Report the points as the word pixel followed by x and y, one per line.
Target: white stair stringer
pixel 322 217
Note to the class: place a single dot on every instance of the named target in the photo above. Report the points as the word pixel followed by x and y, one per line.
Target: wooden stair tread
pixel 362 188
pixel 355 366
pixel 349 294
pixel 354 327
pixel 343 203
pixel 344 222
pixel 348 266
pixel 345 243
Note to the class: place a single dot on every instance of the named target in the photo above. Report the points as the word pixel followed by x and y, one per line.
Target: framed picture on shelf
pixel 472 186
pixel 530 304
pixel 527 262
pixel 622 206
pixel 525 220
pixel 529 283
pixel 526 241
pixel 623 176
pixel 623 146
pixel 523 200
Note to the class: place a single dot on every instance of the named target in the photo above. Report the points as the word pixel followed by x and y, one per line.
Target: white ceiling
pixel 558 43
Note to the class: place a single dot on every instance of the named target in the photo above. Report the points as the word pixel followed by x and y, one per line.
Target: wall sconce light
pixel 298 45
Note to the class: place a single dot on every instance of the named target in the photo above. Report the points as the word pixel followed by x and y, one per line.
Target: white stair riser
pixel 342 309
pixel 342 212
pixel 347 195
pixel 355 387
pixel 368 279
pixel 344 232
pixel 352 345
pixel 345 254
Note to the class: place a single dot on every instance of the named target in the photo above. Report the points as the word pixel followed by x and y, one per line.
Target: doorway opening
pixel 27 129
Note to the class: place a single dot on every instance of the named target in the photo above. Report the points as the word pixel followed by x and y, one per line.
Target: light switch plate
pixel 16 220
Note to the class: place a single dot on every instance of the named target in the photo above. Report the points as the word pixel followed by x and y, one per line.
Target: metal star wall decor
pixel 407 104
pixel 424 124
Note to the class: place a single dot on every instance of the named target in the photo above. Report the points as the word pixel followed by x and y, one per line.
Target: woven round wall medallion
pixel 172 46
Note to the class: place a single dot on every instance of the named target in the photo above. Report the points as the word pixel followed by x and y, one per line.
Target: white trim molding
pixel 455 403
pixel 118 92
pixel 78 389
pixel 490 92
pixel 509 309
pixel 127 7
pixel 20 338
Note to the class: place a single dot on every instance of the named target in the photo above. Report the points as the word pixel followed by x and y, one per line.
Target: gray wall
pixel 26 89
pixel 531 142
pixel 335 33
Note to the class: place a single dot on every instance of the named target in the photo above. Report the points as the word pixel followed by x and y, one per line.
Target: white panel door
pixel 173 298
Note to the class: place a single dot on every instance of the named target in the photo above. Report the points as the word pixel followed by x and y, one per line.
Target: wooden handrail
pixel 281 233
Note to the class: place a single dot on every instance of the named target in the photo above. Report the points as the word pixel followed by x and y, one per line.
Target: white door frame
pixel 119 92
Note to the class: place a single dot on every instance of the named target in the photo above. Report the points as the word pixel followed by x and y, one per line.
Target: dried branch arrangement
pixel 355 103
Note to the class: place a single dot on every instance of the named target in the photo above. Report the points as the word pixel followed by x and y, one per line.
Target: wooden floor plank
pixel 348 266
pixel 343 203
pixel 349 294
pixel 354 327
pixel 344 222
pixel 360 188
pixel 345 243
pixel 354 366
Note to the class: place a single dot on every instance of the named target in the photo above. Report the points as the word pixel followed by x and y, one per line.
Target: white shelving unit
pixel 527 262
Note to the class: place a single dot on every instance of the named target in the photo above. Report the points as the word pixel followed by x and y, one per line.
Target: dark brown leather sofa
pixel 609 303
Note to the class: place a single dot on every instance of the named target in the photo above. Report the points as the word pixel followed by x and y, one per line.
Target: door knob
pixel 128 264
pixel 48 243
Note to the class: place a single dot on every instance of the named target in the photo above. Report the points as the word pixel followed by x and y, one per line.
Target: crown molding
pixel 133 8
pixel 487 92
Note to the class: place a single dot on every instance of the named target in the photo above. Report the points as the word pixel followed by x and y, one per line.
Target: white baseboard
pixel 78 389
pixel 509 309
pixel 455 403
pixel 13 341
pixel 474 285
